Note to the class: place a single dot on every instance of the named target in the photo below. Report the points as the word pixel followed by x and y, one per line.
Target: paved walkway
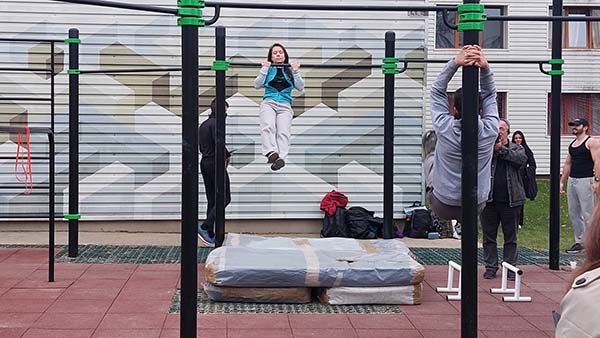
pixel 132 301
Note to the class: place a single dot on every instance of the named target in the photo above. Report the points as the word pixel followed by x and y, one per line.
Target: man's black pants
pixel 492 215
pixel 207 168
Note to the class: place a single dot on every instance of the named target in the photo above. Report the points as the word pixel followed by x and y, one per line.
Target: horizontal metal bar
pixel 129 70
pixel 311 65
pixel 542 18
pixel 490 61
pixel 35 130
pixel 30 40
pixel 376 65
pixel 22 186
pixel 43 215
pixel 137 70
pixel 307 65
pixel 10 69
pixel 114 4
pixel 358 8
pixel 32 157
pixel 8 98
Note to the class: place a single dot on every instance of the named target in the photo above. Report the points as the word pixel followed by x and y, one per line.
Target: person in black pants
pixel 206 143
pixel 506 197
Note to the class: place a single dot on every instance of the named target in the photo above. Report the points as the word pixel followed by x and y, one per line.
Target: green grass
pixel 534 233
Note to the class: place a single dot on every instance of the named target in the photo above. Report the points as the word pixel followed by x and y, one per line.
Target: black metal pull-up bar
pixel 233 64
pixel 123 5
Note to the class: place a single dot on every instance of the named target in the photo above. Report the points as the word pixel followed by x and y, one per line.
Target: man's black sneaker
pixel 575 248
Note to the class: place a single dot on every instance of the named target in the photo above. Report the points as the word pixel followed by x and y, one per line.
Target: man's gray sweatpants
pixel 581 200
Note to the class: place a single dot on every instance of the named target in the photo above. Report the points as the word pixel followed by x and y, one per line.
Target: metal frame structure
pixel 50 187
pixel 37 130
pixel 190 19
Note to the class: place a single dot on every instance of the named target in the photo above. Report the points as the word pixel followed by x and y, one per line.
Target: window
pixel 491 37
pixel 500 98
pixel 578 105
pixel 580 35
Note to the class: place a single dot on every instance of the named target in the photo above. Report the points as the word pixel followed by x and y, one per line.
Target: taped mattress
pixel 255 261
pixel 258 295
pixel 401 295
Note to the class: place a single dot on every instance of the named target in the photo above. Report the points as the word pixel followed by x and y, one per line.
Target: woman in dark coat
pixel 527 172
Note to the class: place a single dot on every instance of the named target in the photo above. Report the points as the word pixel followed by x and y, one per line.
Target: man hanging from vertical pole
pixel 471 18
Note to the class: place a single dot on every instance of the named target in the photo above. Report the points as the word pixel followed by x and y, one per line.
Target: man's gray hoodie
pixel 448 157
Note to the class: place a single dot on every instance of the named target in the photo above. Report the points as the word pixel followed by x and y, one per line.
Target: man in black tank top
pixel 582 168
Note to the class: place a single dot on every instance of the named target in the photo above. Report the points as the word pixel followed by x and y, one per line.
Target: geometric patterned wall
pixel 130 125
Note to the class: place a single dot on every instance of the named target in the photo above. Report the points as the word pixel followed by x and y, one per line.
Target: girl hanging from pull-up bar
pixel 278 76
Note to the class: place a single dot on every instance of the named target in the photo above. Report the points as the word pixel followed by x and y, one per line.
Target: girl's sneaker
pixel 278 164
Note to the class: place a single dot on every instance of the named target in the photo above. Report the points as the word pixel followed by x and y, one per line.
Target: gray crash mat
pixel 255 261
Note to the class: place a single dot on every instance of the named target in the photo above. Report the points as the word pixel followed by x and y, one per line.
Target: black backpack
pixel 335 226
pixel 421 224
pixel 358 223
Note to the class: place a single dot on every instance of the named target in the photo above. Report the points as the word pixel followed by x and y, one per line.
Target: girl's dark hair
pixel 591 244
pixel 287 70
pixel 518 132
pixel 523 143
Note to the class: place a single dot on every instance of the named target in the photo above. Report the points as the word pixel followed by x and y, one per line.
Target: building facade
pixel 130 124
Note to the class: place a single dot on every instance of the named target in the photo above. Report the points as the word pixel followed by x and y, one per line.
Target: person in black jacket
pixel 527 172
pixel 206 143
pixel 505 199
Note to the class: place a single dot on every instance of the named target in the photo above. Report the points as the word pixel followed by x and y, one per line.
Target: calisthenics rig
pixel 190 18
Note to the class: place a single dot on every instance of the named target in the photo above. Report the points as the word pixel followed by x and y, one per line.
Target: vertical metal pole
pixel 51 206
pixel 469 144
pixel 220 140
pixel 189 181
pixel 51 171
pixel 556 89
pixel 52 71
pixel 388 141
pixel 73 143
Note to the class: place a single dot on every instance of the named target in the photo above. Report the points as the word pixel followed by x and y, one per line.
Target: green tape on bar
pixel 73 71
pixel 470 26
pixel 190 21
pixel 189 11
pixel 472 17
pixel 390 66
pixel 556 61
pixel 72 216
pixel 471 8
pixel 220 65
pixel 72 40
pixel 189 3
pixel 556 72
